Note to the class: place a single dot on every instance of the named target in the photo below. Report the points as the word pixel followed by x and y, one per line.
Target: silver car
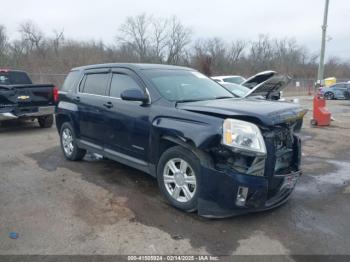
pixel 335 91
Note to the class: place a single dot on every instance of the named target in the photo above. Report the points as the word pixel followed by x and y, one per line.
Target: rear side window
pixel 120 83
pixel 14 78
pixel 96 84
pixel 70 81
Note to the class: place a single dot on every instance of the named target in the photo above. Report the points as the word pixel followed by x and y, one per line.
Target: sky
pixel 228 19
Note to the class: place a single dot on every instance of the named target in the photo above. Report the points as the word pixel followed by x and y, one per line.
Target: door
pixel 339 90
pixel 92 101
pixel 129 120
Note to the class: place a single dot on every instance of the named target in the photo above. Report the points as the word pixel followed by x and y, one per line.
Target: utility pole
pixel 320 74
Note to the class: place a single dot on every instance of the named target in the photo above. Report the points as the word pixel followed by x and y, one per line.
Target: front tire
pixel 69 145
pixel 45 121
pixel 329 96
pixel 178 175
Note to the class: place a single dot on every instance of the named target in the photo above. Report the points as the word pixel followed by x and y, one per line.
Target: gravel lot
pixel 102 207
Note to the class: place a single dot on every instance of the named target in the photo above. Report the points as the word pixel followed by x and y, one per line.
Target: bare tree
pixel 134 32
pixel 155 39
pixel 3 45
pixel 179 38
pixel 152 39
pixel 159 38
pixel 32 34
pixel 236 51
pixel 57 40
pixel 261 52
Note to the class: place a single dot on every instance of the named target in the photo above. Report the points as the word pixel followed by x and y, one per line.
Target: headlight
pixel 243 135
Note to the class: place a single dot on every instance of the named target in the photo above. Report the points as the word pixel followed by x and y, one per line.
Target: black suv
pixel 209 151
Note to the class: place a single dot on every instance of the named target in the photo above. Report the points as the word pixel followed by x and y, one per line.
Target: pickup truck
pixel 21 99
pixel 209 151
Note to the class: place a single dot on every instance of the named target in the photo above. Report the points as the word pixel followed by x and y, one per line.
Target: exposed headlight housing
pixel 243 135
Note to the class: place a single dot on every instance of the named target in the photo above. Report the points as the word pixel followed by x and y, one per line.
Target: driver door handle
pixel 108 105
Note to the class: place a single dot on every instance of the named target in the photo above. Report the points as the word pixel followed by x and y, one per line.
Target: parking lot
pixel 101 207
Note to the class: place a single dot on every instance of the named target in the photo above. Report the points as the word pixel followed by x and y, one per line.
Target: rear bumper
pixel 27 112
pixel 7 116
pixel 219 191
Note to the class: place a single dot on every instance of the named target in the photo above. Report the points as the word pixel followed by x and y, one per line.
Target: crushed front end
pixel 242 182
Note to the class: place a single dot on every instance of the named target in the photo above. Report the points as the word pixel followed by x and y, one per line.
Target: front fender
pixel 194 135
pixel 202 135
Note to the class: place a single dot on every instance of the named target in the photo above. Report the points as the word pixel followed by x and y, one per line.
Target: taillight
pixel 55 94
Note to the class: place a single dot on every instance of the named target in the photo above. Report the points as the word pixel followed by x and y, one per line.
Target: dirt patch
pixel 105 212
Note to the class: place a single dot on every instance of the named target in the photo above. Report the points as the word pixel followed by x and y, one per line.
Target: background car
pixel 335 91
pixel 347 93
pixel 237 90
pixel 229 79
pixel 264 85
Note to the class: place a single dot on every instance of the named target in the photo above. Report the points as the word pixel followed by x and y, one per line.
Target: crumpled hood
pixel 268 112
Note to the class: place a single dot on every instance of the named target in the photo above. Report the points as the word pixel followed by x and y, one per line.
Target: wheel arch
pixel 63 118
pixel 195 136
pixel 330 93
pixel 170 141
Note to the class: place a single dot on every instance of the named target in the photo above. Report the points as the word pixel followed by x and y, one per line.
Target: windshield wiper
pixel 203 99
pixel 223 97
pixel 188 100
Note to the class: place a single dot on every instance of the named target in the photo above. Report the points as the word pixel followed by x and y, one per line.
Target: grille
pixel 282 149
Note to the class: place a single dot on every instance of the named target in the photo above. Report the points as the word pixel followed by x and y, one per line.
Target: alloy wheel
pixel 180 180
pixel 67 141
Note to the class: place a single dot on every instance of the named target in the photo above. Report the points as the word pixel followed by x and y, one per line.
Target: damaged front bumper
pixel 228 191
pixel 221 193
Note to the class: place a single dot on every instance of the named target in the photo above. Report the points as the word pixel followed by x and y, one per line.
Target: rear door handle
pixel 108 105
pixel 77 99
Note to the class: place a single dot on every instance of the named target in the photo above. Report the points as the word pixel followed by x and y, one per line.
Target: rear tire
pixel 178 175
pixel 69 145
pixel 45 121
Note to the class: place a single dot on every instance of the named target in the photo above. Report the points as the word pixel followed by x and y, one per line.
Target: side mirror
pixel 134 95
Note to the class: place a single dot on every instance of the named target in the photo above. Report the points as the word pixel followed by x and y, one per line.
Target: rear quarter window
pixel 14 78
pixel 70 81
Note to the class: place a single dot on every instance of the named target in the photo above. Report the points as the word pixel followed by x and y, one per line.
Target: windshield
pixel 238 90
pixel 183 85
pixel 234 79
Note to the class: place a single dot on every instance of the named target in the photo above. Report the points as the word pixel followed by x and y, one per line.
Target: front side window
pixel 120 83
pixel 96 84
pixel 338 86
pixel 185 85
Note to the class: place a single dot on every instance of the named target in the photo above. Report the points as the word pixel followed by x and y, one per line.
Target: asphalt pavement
pixel 98 206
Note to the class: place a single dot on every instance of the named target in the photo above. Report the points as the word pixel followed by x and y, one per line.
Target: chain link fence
pixel 302 87
pixel 55 79
pixel 297 87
